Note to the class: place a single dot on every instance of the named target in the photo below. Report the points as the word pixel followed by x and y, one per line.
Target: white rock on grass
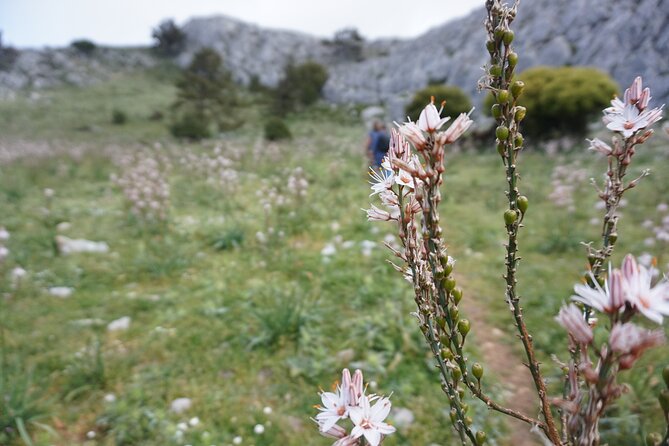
pixel 180 405
pixel 402 417
pixel 68 246
pixel 119 324
pixel 61 291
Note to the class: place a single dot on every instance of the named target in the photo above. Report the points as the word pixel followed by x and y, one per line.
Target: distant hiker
pixel 377 144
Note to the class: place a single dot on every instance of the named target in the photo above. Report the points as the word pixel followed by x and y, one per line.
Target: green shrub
pixel 206 95
pixel 562 100
pixel 119 117
pixel 301 86
pixel 84 46
pixel 457 100
pixel 8 56
pixel 190 125
pixel 276 129
pixel 169 39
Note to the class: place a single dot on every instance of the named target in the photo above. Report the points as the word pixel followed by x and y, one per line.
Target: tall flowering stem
pixel 508 114
pixel 629 118
pixel 409 188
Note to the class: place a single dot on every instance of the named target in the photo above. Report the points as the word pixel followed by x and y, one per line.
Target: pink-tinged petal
pixel 617 291
pixel 630 267
pixel 380 410
pixel 373 437
pixel 357 432
pixel 385 428
pixel 329 399
pixel 600 146
pixel 356 414
pixel 326 421
pixel 429 118
pixel 572 319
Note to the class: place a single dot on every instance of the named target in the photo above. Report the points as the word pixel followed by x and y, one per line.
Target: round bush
pixel 457 101
pixel 191 125
pixel 563 100
pixel 301 86
pixel 276 129
pixel 84 46
pixel 119 117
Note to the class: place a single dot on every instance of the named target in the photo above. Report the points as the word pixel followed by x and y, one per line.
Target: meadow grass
pixel 236 324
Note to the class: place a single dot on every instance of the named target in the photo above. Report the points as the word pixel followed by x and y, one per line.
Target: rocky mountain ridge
pixel 621 37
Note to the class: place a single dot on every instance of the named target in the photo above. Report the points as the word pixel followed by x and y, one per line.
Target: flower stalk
pixel 507 112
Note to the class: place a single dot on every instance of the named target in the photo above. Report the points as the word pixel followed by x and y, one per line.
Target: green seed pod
pixel 477 370
pixel 502 96
pixel 510 217
pixel 457 295
pixel 496 111
pixel 490 46
pixel 507 37
pixel 499 33
pixel 464 407
pixel 517 88
pixel 501 149
pixel 518 140
pixel 480 438
pixel 464 327
pixel 441 322
pixel 502 132
pixel 454 416
pixel 495 70
pixel 613 238
pixel 520 113
pixel 664 400
pixel 455 313
pixel 461 392
pixel 448 283
pixel 665 375
pixel 653 439
pixel 456 374
pixel 513 59
pixel 448 267
pixel 523 203
pixel 447 354
pixel 469 421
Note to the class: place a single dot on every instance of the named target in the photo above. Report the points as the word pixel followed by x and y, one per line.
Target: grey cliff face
pixel 621 37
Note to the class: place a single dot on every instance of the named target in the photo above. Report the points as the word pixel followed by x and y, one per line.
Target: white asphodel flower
pixel 369 420
pixel 335 407
pixel 651 301
pixel 429 119
pixel 571 318
pixel 457 129
pixel 382 179
pixel 608 299
pixel 630 120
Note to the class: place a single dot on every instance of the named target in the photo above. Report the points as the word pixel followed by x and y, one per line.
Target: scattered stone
pixel 88 322
pixel 181 405
pixel 61 291
pixel 403 417
pixel 68 246
pixel 119 324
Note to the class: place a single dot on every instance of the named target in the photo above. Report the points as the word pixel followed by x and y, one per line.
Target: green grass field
pixel 238 324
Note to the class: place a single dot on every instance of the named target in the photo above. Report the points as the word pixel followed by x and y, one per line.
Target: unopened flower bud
pixel 464 327
pixel 449 283
pixel 613 238
pixel 507 37
pixel 455 313
pixel 495 70
pixel 441 322
pixel 461 392
pixel 447 354
pixel 513 59
pixel 454 416
pixel 502 96
pixel 501 149
pixel 480 438
pixel 456 374
pixel 457 295
pixel 510 217
pixel 496 111
pixel 477 370
pixel 523 203
pixel 518 140
pixel 665 375
pixel 653 439
pixel 502 132
pixel 499 34
pixel 490 46
pixel 464 407
pixel 517 88
pixel 520 113
pixel 469 421
pixel 664 401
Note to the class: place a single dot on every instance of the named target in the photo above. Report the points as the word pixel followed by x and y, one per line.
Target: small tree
pixel 457 100
pixel 170 40
pixel 8 56
pixel 206 94
pixel 84 46
pixel 301 86
pixel 563 100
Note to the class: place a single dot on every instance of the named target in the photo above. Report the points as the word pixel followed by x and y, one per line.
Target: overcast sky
pixel 35 23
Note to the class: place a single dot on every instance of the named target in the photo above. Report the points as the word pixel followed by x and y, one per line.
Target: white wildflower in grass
pixel 258 429
pixel 369 420
pixel 61 291
pixel 4 234
pixel 267 410
pixel 237 440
